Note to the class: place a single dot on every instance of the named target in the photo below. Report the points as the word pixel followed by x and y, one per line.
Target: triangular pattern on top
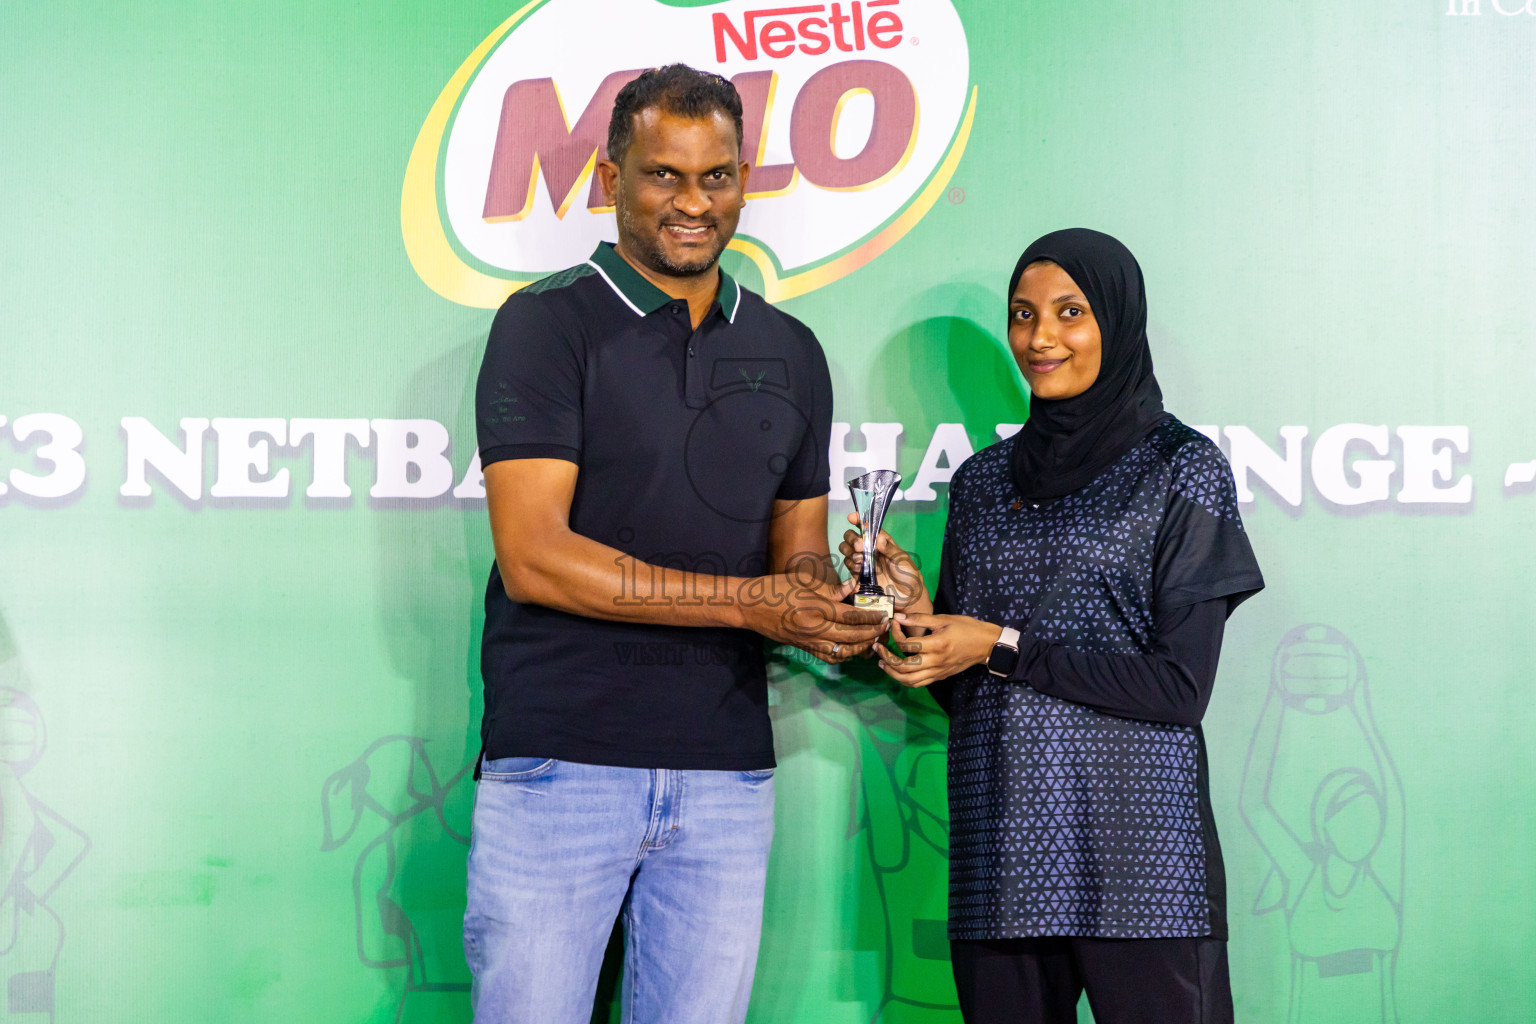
pixel 1066 821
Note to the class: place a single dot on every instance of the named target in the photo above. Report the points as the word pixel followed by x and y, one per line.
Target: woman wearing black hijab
pixel 1090 563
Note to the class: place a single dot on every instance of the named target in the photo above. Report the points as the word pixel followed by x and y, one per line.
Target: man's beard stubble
pixel 653 254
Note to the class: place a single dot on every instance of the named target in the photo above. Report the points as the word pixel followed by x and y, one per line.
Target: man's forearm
pixel 581 576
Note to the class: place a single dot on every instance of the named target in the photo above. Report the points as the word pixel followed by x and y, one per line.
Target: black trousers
pixel 1128 981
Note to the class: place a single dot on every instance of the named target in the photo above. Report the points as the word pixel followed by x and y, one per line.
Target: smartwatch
pixel 1005 653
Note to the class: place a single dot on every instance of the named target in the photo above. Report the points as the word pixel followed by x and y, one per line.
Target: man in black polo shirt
pixel 654 440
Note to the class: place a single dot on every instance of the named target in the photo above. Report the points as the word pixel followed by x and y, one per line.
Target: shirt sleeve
pixel 528 397
pixel 1202 550
pixel 1171 684
pixel 1203 567
pixel 809 474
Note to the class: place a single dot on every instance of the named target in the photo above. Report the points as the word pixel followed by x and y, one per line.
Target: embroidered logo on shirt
pixel 749 374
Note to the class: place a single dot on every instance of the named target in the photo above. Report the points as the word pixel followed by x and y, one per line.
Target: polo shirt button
pixel 676 309
pixel 690 353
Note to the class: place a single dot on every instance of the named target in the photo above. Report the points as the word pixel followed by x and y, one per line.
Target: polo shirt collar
pixel 642 296
pixel 730 296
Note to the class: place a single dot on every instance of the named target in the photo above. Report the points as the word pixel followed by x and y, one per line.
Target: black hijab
pixel 1066 442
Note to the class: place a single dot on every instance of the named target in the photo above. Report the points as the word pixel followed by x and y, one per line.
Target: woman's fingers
pixel 911 679
pixel 895 664
pixel 908 665
pixel 927 660
pixel 934 645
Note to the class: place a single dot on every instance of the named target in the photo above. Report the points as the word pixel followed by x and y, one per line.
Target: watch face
pixel 1002 660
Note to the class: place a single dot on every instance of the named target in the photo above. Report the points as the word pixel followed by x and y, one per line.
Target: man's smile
pixel 688 232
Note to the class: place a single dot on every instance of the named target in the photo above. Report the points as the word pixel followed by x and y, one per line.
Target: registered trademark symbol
pixel 957 195
pixel 914 40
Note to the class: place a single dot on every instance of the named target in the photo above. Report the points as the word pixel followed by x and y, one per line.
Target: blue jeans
pixel 559 849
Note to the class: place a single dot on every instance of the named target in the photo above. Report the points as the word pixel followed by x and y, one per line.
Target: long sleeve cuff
pixel 1171 684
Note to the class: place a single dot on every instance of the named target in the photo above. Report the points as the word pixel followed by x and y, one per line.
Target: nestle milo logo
pixel 855 116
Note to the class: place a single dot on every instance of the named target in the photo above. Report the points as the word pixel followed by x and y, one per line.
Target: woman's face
pixel 1053 334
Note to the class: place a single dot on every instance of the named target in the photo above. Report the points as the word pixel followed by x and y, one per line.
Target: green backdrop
pixel 235 729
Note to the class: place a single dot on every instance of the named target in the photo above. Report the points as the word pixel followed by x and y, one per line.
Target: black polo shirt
pixel 684 439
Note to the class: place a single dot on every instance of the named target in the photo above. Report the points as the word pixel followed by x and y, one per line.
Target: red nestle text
pixel 811 28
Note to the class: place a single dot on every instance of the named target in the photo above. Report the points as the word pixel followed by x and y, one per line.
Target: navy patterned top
pixel 1065 820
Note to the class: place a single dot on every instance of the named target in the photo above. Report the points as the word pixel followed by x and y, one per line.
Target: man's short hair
pixel 676 89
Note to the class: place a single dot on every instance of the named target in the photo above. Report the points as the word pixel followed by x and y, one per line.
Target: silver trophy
pixel 872 494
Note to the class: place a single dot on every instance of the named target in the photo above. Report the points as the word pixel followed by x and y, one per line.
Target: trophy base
pixel 881 603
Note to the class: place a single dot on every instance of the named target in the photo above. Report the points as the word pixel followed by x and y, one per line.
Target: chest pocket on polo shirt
pixel 752 374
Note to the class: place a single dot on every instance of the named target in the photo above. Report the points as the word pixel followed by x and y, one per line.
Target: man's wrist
pixel 737 611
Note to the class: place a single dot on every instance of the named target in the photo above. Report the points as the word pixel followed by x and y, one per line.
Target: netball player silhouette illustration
pixel 38 850
pixel 897 814
pixel 1321 795
pixel 407 885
